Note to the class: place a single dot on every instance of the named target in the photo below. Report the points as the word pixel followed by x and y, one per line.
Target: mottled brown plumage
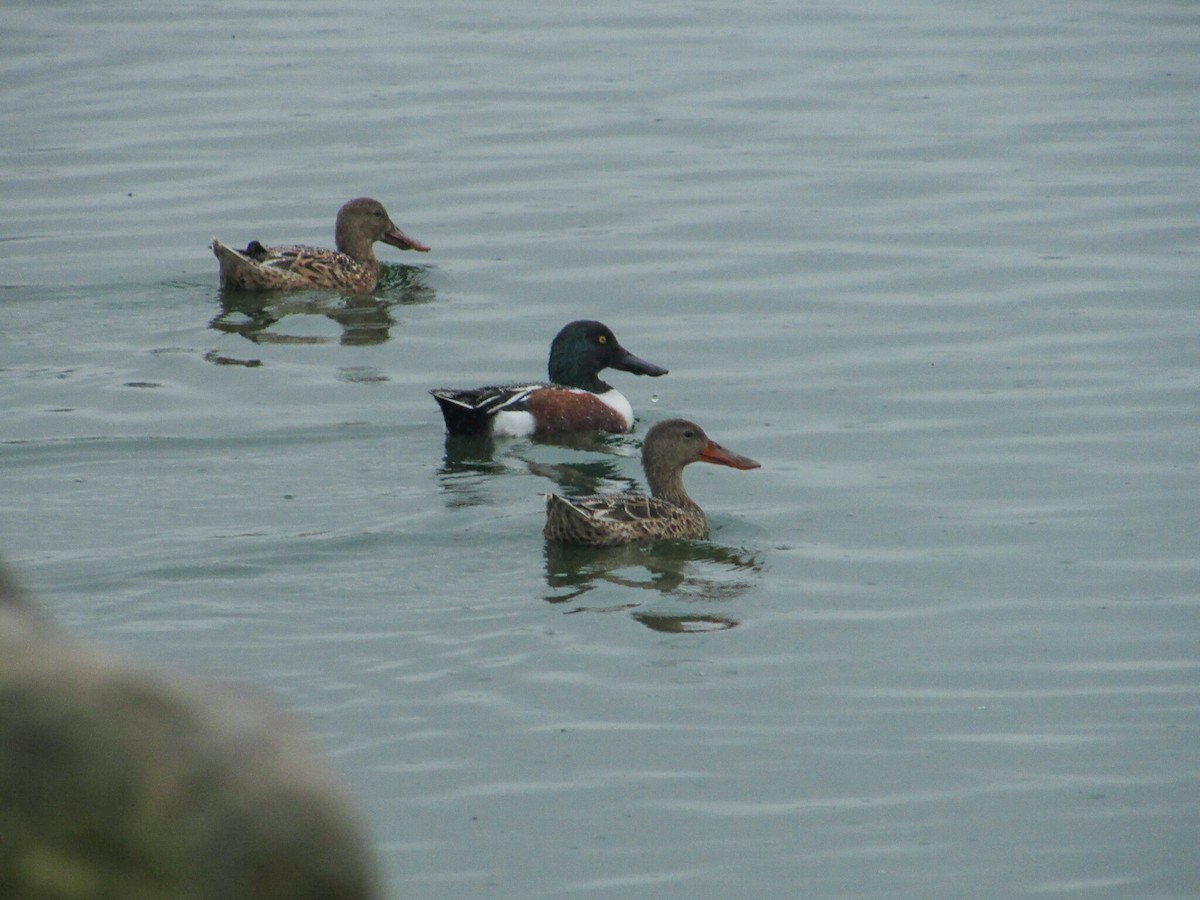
pixel 606 519
pixel 352 268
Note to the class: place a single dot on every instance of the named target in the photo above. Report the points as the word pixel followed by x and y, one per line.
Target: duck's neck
pixel 570 374
pixel 357 247
pixel 666 483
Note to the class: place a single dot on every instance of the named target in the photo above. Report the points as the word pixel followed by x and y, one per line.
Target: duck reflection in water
pixel 365 319
pixel 470 461
pixel 696 572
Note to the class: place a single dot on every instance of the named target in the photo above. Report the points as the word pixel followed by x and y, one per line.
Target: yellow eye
pixel 602 339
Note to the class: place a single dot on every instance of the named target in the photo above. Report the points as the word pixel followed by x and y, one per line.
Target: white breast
pixel 617 401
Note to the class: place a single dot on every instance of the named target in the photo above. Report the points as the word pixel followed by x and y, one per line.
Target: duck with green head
pixel 575 399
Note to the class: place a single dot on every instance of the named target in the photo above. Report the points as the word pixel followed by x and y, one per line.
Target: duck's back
pixel 608 519
pixel 260 268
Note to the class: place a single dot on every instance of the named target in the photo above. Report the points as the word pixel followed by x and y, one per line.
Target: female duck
pixel 607 519
pixel 352 268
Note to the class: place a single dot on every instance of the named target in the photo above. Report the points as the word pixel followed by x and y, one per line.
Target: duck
pixel 605 520
pixel 574 399
pixel 352 268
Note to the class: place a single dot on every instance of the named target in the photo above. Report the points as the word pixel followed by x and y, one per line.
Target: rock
pixel 121 782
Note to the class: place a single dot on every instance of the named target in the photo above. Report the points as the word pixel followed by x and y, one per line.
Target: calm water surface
pixel 934 267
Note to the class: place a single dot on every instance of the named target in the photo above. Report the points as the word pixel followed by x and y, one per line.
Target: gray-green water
pixel 934 266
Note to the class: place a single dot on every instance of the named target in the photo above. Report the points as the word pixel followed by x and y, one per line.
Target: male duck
pixel 574 400
pixel 352 268
pixel 606 519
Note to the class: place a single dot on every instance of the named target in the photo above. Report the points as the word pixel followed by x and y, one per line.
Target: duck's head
pixel 583 348
pixel 364 221
pixel 675 443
